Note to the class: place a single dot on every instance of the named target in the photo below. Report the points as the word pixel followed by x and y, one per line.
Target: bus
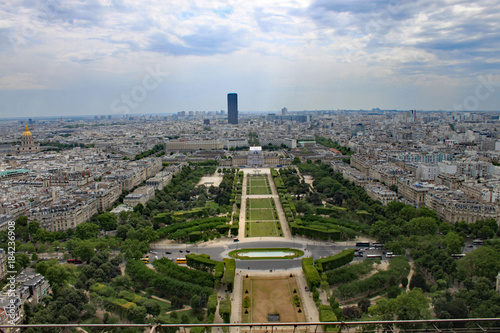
pixel 477 242
pixel 74 261
pixel 181 261
pixel 458 255
pixel 389 255
pixel 145 260
pixel 378 245
pixel 363 244
pixel 374 256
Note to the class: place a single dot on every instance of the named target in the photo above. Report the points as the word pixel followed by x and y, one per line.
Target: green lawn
pixel 262 214
pixel 260 203
pixel 258 185
pixel 257 182
pixel 263 229
pixel 258 190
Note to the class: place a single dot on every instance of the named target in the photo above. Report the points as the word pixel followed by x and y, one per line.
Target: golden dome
pixel 27 132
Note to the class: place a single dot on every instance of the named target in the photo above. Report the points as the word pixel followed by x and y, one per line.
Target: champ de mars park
pixel 274 277
pixel 280 249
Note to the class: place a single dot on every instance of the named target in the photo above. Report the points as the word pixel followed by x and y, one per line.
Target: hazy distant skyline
pixel 115 57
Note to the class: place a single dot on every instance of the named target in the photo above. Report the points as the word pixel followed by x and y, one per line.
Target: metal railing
pixel 431 325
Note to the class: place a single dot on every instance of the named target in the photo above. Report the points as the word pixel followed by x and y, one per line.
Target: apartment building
pixel 64 214
pixel 454 206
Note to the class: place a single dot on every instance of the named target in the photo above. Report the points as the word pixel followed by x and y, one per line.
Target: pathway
pixel 310 310
pixel 279 209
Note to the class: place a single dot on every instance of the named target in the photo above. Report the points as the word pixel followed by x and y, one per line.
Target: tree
pixel 33 227
pixel 70 311
pixel 86 230
pixel 139 208
pixel 195 303
pixel 84 250
pixel 412 306
pixel 453 242
pixel 418 281
pixel 484 261
pixel 57 275
pixel 107 221
pixel 423 226
pixel 22 259
pixel 364 304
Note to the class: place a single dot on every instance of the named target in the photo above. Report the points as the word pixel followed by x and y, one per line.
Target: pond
pixel 262 254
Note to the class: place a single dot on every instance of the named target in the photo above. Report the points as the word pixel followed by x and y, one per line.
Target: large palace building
pixel 27 143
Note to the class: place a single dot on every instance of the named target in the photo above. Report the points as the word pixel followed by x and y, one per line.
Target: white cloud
pixel 281 50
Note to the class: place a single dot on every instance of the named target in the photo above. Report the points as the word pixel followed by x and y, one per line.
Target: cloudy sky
pixel 66 57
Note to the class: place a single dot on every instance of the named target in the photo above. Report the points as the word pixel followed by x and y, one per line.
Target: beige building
pixel 454 206
pixel 65 214
pixel 412 191
pixel 380 193
pixel 106 194
pixel 140 196
pixel 184 145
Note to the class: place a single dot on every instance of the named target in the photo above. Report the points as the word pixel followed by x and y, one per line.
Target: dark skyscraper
pixel 232 108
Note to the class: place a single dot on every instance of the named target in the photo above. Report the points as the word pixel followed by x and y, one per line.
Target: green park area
pixel 261 210
pixel 263 229
pixel 258 185
pixel 262 218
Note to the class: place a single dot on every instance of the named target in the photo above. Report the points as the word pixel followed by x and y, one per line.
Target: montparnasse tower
pixel 27 143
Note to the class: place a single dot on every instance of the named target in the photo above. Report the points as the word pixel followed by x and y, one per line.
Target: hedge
pixel 312 276
pixel 219 270
pixel 326 315
pixel 312 232
pixel 201 262
pixel 170 269
pixel 212 304
pixel 229 272
pixel 330 210
pixel 163 285
pixel 235 228
pixel 195 236
pixel 335 261
pixel 225 310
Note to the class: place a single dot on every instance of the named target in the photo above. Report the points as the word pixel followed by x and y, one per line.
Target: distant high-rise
pixel 232 108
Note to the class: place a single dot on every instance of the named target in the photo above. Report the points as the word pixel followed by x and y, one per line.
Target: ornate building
pixel 27 143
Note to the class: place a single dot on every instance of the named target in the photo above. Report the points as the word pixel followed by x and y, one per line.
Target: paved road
pixel 220 249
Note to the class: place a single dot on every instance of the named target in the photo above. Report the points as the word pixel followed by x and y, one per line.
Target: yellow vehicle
pixel 145 260
pixel 181 261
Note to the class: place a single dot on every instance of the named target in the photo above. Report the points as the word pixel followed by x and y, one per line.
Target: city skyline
pixel 122 58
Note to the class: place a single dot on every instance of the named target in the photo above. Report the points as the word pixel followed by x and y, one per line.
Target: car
pixel 371 248
pixel 166 252
pixel 188 251
pixel 180 251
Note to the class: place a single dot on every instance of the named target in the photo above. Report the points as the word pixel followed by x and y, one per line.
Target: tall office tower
pixel 232 108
